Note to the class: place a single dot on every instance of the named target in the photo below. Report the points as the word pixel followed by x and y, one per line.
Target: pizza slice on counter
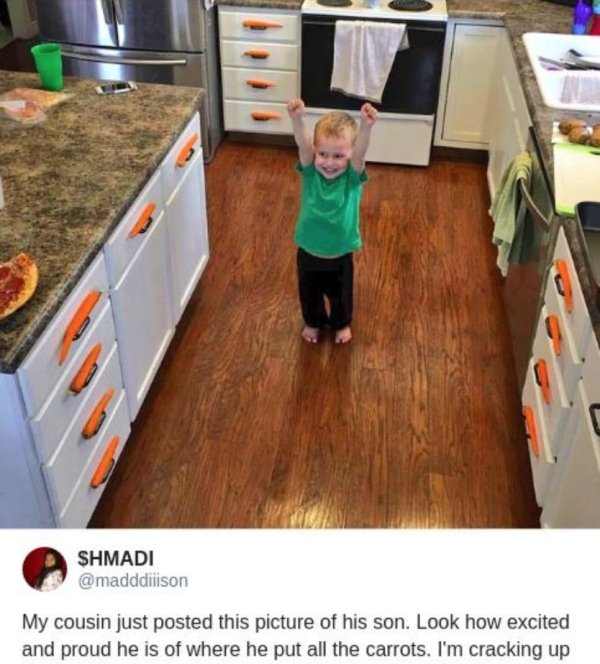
pixel 18 280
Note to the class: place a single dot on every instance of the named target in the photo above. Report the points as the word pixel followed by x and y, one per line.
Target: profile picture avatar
pixel 44 569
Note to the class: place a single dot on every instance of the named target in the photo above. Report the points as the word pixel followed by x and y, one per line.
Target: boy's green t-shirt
pixel 328 223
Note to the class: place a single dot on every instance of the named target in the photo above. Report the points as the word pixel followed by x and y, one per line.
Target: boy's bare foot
pixel 310 334
pixel 343 336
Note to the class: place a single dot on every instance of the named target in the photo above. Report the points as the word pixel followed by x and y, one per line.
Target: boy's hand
pixel 368 114
pixel 295 108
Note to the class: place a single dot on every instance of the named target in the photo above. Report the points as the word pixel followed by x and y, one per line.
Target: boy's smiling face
pixel 332 154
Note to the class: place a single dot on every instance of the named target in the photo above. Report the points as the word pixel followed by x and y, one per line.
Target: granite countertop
pixel 68 181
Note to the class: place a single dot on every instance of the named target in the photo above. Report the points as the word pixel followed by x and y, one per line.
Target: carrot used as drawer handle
pixel 78 323
pixel 563 283
pixel 187 151
pixel 260 83
pixel 144 221
pixel 530 431
pixel 262 116
pixel 256 24
pixel 540 369
pixel 106 464
pixel 553 330
pixel 257 54
pixel 96 419
pixel 86 372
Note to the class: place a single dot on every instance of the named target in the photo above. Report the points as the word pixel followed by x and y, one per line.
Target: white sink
pixel 555 47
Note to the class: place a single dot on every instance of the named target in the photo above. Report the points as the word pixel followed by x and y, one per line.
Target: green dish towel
pixel 507 209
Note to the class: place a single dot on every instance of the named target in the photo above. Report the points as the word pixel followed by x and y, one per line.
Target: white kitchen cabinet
pixel 260 63
pixel 142 311
pixel 568 486
pixel 574 501
pixel 137 262
pixel 187 234
pixel 64 415
pixel 508 116
pixel 466 84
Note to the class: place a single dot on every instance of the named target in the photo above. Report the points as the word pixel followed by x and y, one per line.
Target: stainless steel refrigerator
pixel 156 41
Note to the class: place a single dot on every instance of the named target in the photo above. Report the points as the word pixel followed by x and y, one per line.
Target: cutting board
pixel 576 176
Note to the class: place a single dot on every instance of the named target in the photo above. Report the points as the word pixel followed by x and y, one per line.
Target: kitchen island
pixel 68 182
pixel 107 196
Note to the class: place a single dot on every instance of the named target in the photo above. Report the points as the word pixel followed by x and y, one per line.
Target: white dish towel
pixel 363 55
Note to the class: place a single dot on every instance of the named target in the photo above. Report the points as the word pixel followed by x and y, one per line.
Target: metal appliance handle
pixel 106 11
pixel 532 207
pixel 123 61
pixel 119 12
pixel 421 28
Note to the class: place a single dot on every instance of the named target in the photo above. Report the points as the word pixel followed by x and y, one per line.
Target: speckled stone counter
pixel 68 181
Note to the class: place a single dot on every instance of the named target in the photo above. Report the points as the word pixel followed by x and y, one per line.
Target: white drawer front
pixel 573 307
pixel 256 85
pixel 174 165
pixel 549 383
pixel 259 24
pixel 66 465
pixel 62 406
pixel 130 234
pixel 42 369
pixel 85 497
pixel 242 116
pixel 540 455
pixel 260 56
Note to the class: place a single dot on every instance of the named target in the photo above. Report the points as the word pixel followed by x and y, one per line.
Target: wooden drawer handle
pixel 530 431
pixel 78 323
pixel 553 330
pixel 257 54
pixel 540 369
pixel 263 116
pixel 563 283
pixel 260 83
pixel 187 151
pixel 257 24
pixel 144 221
pixel 106 464
pixel 87 370
pixel 96 419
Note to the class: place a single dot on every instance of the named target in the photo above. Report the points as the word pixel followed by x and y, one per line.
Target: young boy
pixel 332 167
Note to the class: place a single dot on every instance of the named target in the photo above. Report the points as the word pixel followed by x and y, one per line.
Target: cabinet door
pixel 574 499
pixel 470 83
pixel 141 304
pixel 508 118
pixel 187 234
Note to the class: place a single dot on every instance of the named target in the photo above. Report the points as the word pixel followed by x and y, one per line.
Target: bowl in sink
pixel 543 47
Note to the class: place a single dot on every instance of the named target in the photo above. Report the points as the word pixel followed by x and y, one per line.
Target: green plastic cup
pixel 48 62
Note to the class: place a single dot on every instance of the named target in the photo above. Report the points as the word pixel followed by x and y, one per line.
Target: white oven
pixel 404 131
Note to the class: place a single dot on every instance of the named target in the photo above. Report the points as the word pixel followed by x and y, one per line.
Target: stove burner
pixel 410 5
pixel 335 3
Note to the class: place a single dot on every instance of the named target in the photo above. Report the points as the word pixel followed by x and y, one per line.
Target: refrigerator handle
pixel 106 6
pixel 119 12
pixel 122 61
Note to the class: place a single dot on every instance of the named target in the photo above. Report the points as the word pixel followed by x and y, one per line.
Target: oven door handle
pixel 409 27
pixel 532 207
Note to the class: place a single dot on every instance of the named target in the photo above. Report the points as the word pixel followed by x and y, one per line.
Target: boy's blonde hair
pixel 335 124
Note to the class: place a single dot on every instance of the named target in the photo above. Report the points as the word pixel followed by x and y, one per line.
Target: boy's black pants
pixel 330 277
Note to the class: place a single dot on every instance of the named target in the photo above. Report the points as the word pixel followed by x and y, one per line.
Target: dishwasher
pixel 525 280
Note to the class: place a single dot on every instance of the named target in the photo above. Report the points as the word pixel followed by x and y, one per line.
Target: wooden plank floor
pixel 415 423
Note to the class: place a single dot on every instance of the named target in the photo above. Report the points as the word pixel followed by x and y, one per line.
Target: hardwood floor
pixel 416 423
pixel 16 55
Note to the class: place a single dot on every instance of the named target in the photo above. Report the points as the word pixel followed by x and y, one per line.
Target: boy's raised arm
pixel 303 138
pixel 368 116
